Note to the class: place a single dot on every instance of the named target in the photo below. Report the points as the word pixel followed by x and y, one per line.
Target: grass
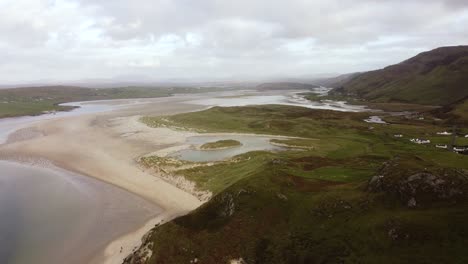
pixel 217 178
pixel 221 144
pixel 313 205
pixel 268 215
pixel 300 143
pixel 16 108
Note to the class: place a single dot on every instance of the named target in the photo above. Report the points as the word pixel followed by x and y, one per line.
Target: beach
pixel 104 146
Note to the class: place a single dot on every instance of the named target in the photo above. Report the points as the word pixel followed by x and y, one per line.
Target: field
pixel 353 194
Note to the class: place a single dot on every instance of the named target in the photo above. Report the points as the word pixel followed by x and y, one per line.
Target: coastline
pixel 104 146
pixel 95 212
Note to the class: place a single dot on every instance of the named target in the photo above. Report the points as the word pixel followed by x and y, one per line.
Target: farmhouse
pixel 420 141
pixel 461 149
pixel 445 133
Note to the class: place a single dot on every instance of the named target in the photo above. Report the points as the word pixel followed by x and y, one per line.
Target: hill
pixel 336 81
pixel 454 113
pixel 350 195
pixel 436 77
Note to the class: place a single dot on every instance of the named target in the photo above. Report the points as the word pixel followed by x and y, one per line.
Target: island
pixel 221 144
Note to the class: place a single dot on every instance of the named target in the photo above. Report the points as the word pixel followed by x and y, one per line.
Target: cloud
pixel 75 39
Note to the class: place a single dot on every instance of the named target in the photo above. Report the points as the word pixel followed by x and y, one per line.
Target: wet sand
pixel 49 214
pixel 104 146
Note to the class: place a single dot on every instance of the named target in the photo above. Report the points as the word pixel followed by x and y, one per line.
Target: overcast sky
pixel 135 40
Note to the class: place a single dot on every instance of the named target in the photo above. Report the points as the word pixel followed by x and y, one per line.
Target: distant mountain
pixel 437 77
pixel 336 81
pixel 286 86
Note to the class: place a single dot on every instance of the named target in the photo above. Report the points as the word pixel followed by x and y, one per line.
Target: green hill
pixel 454 113
pixel 354 195
pixel 436 77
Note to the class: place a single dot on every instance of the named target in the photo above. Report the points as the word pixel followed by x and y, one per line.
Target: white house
pixel 441 146
pixel 420 141
pixel 398 135
pixel 445 133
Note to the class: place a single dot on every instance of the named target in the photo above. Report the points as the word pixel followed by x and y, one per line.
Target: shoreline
pixel 109 211
pixel 104 147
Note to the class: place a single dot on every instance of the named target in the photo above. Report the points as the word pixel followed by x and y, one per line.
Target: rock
pixel 282 196
pixel 412 202
pixel 228 205
pixel 237 261
pixel 416 187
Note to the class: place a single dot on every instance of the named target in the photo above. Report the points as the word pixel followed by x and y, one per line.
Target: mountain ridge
pixel 436 77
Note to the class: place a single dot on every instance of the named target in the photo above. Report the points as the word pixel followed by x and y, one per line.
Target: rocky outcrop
pixel 416 187
pixel 142 254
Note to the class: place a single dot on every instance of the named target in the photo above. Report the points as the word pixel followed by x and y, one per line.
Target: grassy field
pixel 323 203
pixel 37 100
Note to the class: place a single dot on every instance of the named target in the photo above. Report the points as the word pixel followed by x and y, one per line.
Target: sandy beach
pixel 105 146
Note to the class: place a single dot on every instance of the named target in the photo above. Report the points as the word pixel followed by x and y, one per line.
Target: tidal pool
pixel 249 143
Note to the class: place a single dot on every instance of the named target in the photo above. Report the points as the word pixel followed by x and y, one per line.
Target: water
pixel 249 143
pixel 48 216
pixel 9 125
pixel 291 98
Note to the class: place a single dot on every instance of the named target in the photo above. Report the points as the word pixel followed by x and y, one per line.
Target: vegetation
pixel 337 97
pixel 455 113
pixel 355 195
pixel 286 86
pixel 437 77
pixel 221 144
pixel 298 143
pixel 36 100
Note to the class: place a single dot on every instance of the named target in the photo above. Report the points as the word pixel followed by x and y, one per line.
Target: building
pixel 445 133
pixel 398 135
pixel 460 149
pixel 420 141
pixel 441 146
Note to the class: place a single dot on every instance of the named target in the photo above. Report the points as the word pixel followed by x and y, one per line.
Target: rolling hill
pixel 350 195
pixel 436 77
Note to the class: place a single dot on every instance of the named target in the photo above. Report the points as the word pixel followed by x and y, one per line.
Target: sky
pixel 156 40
